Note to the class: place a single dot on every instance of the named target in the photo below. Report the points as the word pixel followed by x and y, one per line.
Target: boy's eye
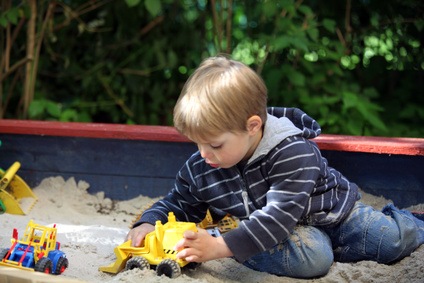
pixel 216 146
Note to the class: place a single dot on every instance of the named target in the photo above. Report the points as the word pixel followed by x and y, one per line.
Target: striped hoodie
pixel 285 182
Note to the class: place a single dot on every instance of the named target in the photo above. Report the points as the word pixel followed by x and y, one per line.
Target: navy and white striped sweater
pixel 286 182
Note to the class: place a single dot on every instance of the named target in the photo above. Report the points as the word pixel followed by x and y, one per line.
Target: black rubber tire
pixel 192 265
pixel 61 266
pixel 169 268
pixel 44 265
pixel 137 262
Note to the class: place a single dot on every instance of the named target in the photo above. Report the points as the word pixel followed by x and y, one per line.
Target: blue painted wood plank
pixel 124 169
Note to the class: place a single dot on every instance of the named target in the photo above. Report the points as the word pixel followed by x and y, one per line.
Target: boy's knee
pixel 317 265
pixel 306 254
pixel 317 257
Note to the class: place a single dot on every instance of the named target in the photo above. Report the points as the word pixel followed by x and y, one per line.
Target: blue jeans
pixel 366 234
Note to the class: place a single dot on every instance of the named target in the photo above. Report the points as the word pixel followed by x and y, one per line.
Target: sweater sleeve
pixel 292 172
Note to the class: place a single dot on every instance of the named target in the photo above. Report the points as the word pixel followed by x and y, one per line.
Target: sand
pixel 90 226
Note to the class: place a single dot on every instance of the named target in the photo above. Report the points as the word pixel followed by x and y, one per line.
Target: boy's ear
pixel 254 124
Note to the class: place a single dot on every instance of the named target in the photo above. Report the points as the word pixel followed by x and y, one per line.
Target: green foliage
pixel 154 7
pixel 126 61
pixel 11 15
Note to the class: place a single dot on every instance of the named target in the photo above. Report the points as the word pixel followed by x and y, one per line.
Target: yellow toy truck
pixel 156 250
pixel 38 250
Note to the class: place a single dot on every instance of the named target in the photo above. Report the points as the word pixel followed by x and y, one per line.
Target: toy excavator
pixel 16 197
pixel 157 249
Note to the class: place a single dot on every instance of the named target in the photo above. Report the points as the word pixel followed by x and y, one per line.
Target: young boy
pixel 256 163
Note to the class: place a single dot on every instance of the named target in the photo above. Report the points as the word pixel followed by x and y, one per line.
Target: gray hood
pixel 283 123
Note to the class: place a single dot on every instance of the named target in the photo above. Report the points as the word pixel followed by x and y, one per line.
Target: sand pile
pixel 90 226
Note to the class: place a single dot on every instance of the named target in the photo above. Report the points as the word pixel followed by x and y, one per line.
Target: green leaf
pixel 354 126
pixel 69 115
pixel 172 59
pixel 350 99
pixel 367 109
pixel 269 9
pixel 419 24
pixel 306 10
pixel 13 15
pixel 282 42
pixel 313 33
pixel 296 78
pixel 318 78
pixel 36 108
pixel 329 25
pixel 371 116
pixel 300 43
pixel 153 6
pixel 53 109
pixel 3 21
pixel 132 3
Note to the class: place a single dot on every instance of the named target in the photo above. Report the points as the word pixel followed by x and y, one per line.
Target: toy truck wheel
pixel 169 268
pixel 137 262
pixel 44 265
pixel 61 265
pixel 192 265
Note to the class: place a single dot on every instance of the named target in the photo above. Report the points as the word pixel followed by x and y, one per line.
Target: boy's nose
pixel 204 152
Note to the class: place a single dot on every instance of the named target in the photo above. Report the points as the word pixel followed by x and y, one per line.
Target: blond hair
pixel 220 96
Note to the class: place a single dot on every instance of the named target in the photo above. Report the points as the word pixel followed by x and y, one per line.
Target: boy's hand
pixel 137 234
pixel 201 246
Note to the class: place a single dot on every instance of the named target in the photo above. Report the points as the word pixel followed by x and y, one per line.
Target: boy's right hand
pixel 137 234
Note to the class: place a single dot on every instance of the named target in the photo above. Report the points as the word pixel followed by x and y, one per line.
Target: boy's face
pixel 228 149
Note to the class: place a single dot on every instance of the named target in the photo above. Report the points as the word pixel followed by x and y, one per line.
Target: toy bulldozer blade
pixel 122 253
pixel 15 195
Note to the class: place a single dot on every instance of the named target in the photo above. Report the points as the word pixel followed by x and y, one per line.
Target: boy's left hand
pixel 201 246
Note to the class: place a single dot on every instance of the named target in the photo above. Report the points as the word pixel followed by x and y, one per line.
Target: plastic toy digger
pixel 156 250
pixel 16 197
pixel 38 250
pixel 216 228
